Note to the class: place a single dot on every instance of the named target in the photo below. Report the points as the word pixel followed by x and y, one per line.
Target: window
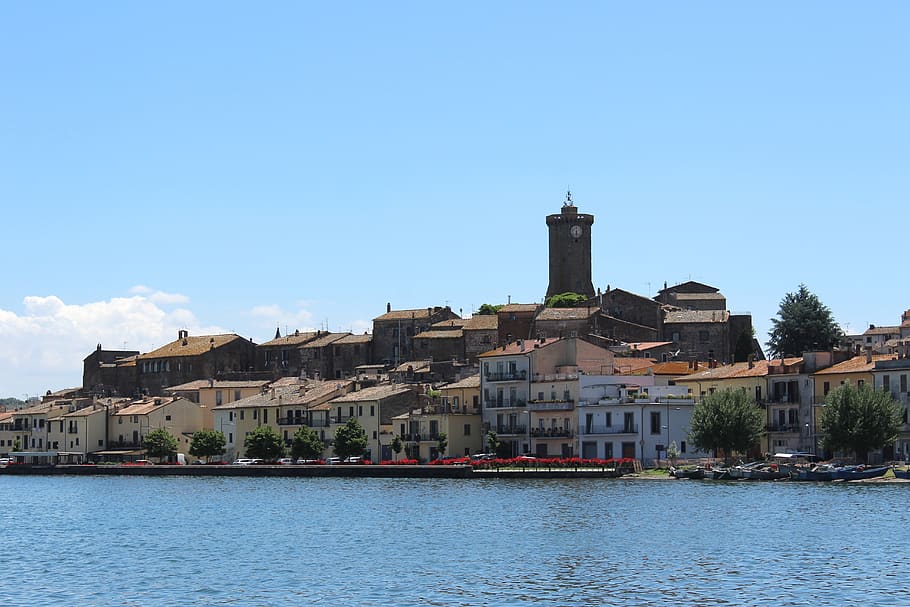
pixel 608 450
pixel 230 416
pixel 351 411
pixel 374 434
pixel 826 388
pixel 167 418
pixel 372 410
pixel 903 383
pixel 218 398
pixel 682 446
pixel 230 437
pixel 265 416
pixel 241 415
pixel 467 429
pixel 255 413
pixel 655 422
pixel 236 394
pixel 860 383
pixel 120 419
pixel 360 411
pixel 886 382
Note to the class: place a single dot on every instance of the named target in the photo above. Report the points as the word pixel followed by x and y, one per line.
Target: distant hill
pixel 11 403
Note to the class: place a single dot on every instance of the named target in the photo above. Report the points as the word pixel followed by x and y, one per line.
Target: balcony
pixel 551 433
pixel 507 430
pixel 514 376
pixel 302 421
pixel 420 438
pixel 504 403
pixel 793 428
pixel 621 429
pixel 551 405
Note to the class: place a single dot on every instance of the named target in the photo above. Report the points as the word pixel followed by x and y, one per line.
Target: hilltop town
pixel 616 375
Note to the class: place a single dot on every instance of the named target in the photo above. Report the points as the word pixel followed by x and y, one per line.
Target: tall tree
pixel 442 441
pixel 306 444
pixel 207 444
pixel 488 309
pixel 160 444
pixel 264 443
pixel 859 419
pixel 803 324
pixel 397 445
pixel 728 420
pixel 350 439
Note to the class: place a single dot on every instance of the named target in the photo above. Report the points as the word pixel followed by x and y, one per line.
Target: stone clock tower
pixel 570 251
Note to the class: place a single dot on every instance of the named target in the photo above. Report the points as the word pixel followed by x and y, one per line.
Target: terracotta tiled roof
pixel 453 324
pixel 647 345
pixel 738 370
pixel 519 308
pixel 291 395
pixel 325 340
pixel 516 348
pixel 415 365
pixel 696 316
pixel 372 393
pixel 416 314
pixel 194 346
pixel 440 335
pixel 482 322
pixel 200 384
pixel 146 406
pixel 472 381
pixel 355 339
pixel 675 368
pixel 292 339
pixel 698 296
pixel 567 313
pixel 882 331
pixel 857 364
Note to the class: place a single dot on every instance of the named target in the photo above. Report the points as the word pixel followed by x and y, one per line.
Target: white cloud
pixel 159 297
pixel 42 348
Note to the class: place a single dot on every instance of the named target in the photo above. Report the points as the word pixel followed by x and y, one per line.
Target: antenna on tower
pixel 568 196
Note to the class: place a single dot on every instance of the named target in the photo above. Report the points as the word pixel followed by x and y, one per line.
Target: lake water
pixel 147 542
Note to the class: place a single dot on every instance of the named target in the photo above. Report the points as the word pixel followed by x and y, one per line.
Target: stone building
pixel 281 356
pixel 317 356
pixel 104 374
pixel 570 251
pixel 516 321
pixel 351 352
pixel 394 331
pixel 189 358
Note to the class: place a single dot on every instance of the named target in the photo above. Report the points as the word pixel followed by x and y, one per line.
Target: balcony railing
pixel 302 421
pixel 782 428
pixel 551 433
pixel 504 430
pixel 551 405
pixel 515 376
pixel 421 437
pixel 620 429
pixel 504 403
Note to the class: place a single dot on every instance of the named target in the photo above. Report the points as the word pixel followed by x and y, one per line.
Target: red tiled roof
pixel 194 346
pixel 857 364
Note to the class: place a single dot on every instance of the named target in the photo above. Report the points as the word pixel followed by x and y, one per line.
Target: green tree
pixel 728 420
pixel 565 300
pixel 160 444
pixel 207 444
pixel 493 442
pixel 859 419
pixel 397 445
pixel 350 439
pixel 442 441
pixel 264 443
pixel 803 324
pixel 306 444
pixel 672 452
pixel 488 309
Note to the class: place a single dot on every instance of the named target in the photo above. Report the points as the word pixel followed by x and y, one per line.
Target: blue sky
pixel 225 166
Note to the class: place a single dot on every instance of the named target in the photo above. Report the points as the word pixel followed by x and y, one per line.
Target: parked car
pixel 307 461
pixel 284 461
pixel 243 461
pixel 354 459
pixel 4 461
pixel 333 460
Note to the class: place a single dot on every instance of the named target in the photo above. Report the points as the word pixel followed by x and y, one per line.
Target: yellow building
pixel 130 424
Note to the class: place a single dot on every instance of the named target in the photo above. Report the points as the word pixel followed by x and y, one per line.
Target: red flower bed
pixel 400 462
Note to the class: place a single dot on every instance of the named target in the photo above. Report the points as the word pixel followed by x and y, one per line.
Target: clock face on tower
pixel 575 231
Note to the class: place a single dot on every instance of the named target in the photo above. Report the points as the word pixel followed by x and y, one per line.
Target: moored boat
pixel 856 473
pixel 693 473
pixel 904 474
